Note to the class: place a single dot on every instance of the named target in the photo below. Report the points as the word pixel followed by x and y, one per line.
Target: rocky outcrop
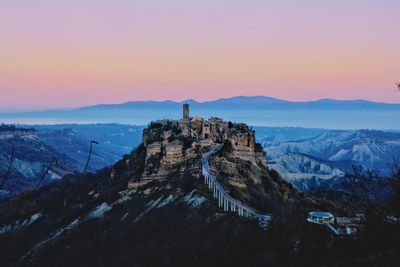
pixel 167 146
pixel 170 143
pixel 174 149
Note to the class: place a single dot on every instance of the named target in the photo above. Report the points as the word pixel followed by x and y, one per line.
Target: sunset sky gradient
pixel 70 53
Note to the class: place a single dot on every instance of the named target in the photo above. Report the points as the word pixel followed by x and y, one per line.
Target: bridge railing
pixel 225 201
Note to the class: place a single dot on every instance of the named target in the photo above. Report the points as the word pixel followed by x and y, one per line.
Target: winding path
pixel 225 201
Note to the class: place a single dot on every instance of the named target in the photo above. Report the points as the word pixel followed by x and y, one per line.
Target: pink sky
pixel 72 53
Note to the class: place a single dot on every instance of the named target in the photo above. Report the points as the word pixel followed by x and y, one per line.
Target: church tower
pixel 186 112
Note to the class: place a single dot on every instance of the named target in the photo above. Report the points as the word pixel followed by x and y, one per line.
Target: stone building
pixel 212 130
pixel 216 130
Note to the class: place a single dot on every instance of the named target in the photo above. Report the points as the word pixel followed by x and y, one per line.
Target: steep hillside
pixel 36 147
pixel 305 172
pixel 151 201
pixel 31 157
pixel 240 165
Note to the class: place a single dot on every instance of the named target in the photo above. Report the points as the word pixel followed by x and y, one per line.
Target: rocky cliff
pixel 172 142
pixel 173 150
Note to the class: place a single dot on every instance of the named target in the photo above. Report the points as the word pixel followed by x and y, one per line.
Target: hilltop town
pixel 178 140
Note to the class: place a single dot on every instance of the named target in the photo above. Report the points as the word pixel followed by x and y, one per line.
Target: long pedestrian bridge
pixel 225 201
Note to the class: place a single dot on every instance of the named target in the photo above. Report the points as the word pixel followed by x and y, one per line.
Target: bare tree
pixel 368 185
pixel 8 169
pixel 53 164
pixel 90 154
pixel 394 202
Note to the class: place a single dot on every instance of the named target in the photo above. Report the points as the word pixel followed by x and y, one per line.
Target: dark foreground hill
pixel 152 209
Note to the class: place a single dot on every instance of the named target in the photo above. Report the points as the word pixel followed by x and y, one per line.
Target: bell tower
pixel 186 112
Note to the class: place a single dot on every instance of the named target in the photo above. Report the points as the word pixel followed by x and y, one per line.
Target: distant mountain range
pixel 307 173
pixel 253 102
pixel 254 110
pixel 371 149
pixel 322 159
